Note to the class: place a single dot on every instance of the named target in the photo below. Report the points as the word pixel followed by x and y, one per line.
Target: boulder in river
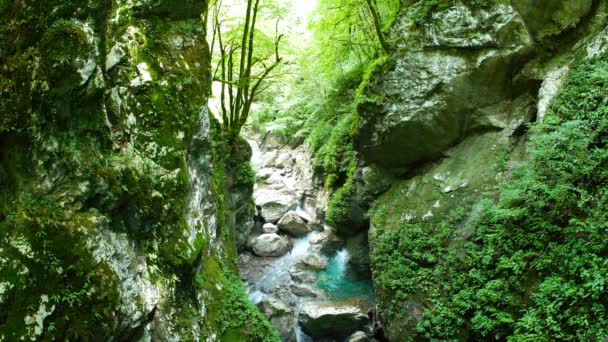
pixel 326 242
pixel 269 245
pixel 302 276
pixel 280 316
pixel 303 290
pixel 328 320
pixel 270 228
pixel 274 203
pixel 314 262
pixel 293 224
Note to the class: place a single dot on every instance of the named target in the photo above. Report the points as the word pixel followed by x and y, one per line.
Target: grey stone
pixel 359 261
pixel 302 276
pixel 270 245
pixel 274 203
pixel 431 94
pixel 326 242
pixel 551 85
pixel 328 320
pixel 553 17
pixel 303 290
pixel 293 224
pixel 116 55
pixel 280 316
pixel 313 262
pixel 270 228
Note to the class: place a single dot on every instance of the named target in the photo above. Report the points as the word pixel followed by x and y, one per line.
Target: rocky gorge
pixel 307 280
pixel 425 170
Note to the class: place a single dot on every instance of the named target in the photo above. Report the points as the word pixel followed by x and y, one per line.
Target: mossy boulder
pixel 552 17
pixel 440 83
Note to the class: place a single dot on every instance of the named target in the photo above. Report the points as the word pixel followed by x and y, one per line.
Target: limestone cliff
pixel 112 224
pixel 448 113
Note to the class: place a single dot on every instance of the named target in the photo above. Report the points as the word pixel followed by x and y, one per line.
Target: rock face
pixel 553 17
pixel 240 183
pixel 451 106
pixel 441 83
pixel 280 316
pixel 270 245
pixel 293 224
pixel 103 134
pixel 359 259
pixel 331 321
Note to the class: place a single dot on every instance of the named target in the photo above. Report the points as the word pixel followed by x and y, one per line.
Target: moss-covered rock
pixel 464 248
pixel 110 222
pixel 552 17
pixel 440 83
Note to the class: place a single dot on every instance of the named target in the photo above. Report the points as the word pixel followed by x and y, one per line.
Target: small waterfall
pixel 300 335
pixel 338 284
pixel 256 155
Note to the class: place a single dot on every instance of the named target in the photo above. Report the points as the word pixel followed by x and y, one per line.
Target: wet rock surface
pixel 270 245
pixel 293 224
pixel 327 242
pixel 280 316
pixel 273 204
pixel 328 320
pixel 440 82
pixel 315 262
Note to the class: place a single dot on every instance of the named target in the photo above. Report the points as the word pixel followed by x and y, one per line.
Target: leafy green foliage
pixel 239 313
pixel 52 267
pixel 345 34
pixel 535 268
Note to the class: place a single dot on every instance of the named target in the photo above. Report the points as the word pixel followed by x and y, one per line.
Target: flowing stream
pixel 273 278
pixel 278 272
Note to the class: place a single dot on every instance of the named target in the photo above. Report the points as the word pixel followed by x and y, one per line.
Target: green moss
pixel 233 315
pixel 425 8
pixel 340 203
pixel 333 150
pixel 49 258
pixel 245 175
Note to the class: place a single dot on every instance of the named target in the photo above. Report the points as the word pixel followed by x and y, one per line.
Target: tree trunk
pixel 373 8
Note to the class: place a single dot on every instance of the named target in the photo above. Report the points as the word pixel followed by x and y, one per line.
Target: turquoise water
pixel 337 283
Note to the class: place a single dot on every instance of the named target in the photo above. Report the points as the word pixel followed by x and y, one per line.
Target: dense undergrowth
pixel 536 267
